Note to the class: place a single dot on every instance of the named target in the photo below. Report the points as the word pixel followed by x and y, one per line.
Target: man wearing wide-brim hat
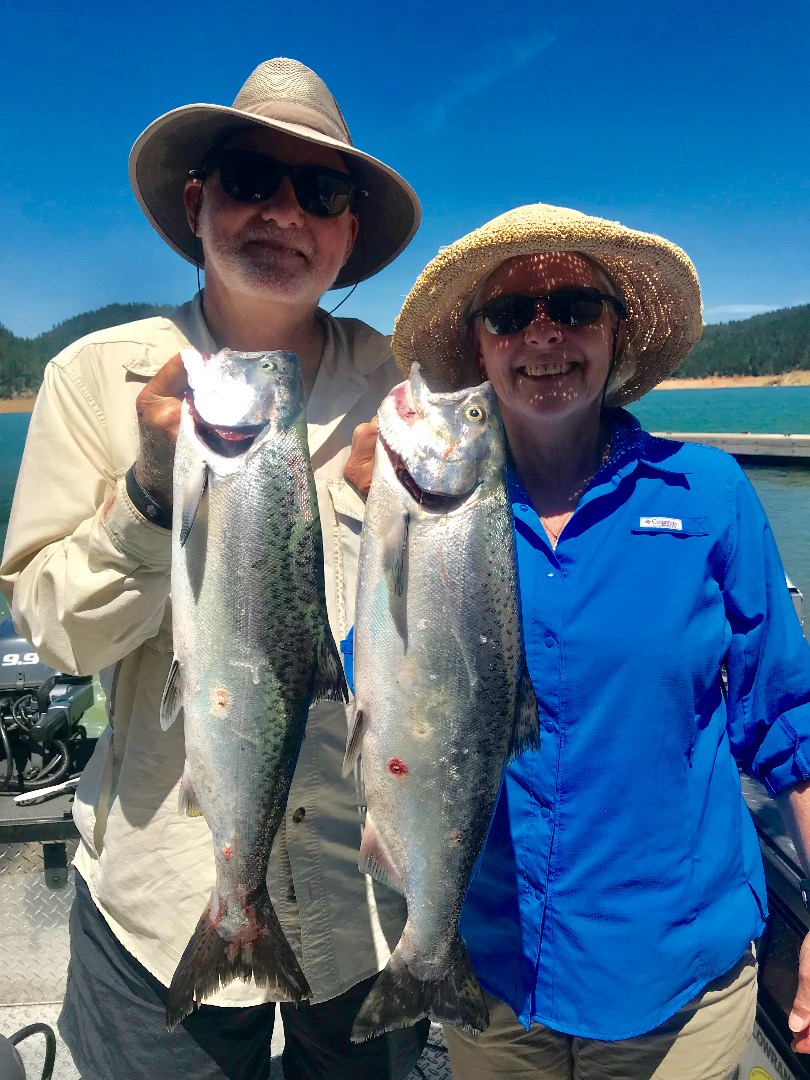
pixel 273 200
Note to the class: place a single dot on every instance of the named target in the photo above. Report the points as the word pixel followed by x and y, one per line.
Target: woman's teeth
pixel 537 370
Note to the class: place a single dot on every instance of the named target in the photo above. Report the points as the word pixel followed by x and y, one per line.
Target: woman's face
pixel 546 371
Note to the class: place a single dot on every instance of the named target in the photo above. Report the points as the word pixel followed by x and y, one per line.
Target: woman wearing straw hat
pixel 621 885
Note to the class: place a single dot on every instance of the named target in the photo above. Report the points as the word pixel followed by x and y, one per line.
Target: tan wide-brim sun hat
pixel 282 95
pixel 658 283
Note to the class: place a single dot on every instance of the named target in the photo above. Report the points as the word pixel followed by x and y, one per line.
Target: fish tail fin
pixel 210 961
pixel 330 680
pixel 398 999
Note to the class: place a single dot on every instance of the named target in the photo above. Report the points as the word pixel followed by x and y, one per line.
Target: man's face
pixel 271 250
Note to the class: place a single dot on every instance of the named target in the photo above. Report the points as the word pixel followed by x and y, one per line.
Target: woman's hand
pixel 360 464
pixel 158 406
pixel 799 1019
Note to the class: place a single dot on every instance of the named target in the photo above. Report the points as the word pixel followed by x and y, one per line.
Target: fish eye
pixel 267 365
pixel 474 413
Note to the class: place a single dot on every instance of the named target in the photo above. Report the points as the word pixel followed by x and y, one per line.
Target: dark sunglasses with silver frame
pixel 574 306
pixel 250 177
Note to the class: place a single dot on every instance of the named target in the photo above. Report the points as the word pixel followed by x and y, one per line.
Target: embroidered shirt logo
pixel 661 523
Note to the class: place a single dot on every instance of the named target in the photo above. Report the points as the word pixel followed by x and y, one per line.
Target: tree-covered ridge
pixel 22 360
pixel 768 344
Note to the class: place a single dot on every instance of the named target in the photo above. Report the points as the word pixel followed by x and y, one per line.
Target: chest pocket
pixel 660 525
pixel 347 526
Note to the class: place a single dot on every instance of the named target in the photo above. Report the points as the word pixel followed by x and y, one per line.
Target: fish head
pixel 236 398
pixel 442 445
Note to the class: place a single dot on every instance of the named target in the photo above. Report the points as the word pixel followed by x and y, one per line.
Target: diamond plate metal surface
pixel 32 1050
pixel 34 927
pixel 434 1064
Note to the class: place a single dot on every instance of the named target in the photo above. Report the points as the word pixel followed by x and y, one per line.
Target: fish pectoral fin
pixel 194 484
pixel 354 742
pixel 375 858
pixel 395 546
pixel 526 732
pixel 187 801
pixel 330 681
pixel 172 701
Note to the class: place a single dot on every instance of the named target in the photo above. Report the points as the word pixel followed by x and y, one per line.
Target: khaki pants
pixel 705 1040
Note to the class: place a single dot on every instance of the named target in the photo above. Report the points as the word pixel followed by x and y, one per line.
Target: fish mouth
pixel 227 442
pixel 428 500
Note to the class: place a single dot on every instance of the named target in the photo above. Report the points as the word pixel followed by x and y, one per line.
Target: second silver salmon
pixel 443 698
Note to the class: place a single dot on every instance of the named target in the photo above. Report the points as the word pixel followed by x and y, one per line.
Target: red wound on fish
pixel 397 767
pixel 227 851
pixel 220 700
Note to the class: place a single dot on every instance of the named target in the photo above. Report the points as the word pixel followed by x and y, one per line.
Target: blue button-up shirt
pixel 622 870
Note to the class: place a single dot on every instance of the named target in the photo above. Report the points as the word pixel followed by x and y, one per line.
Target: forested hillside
pixel 768 344
pixel 763 345
pixel 22 360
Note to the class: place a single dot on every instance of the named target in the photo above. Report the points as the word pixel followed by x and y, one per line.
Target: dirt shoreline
pixel 16 405
pixel 712 382
pixel 728 382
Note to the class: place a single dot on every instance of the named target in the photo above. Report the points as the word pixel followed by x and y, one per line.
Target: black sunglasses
pixel 249 177
pixel 566 307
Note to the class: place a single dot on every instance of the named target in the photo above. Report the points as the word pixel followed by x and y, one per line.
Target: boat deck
pixel 36 892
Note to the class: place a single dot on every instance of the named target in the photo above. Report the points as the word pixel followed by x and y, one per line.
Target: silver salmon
pixel 252 647
pixel 443 699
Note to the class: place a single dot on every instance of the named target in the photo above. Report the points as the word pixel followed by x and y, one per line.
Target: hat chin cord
pixel 612 368
pixel 361 237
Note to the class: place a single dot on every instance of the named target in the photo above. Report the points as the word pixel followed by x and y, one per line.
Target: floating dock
pixel 776 449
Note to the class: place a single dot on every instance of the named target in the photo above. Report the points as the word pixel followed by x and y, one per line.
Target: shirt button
pixel 538 894
pixel 298 815
pixel 549 727
pixel 549 642
pixel 523 508
pixel 551 575
pixel 544 811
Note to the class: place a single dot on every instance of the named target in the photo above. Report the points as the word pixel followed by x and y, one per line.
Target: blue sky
pixel 687 119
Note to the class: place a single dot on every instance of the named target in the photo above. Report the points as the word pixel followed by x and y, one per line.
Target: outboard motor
pixel 40 710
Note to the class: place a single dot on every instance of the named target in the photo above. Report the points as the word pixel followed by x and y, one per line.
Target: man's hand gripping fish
pixel 443 697
pixel 253 648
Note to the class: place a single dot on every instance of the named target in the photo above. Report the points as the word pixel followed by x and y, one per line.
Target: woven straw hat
pixel 659 286
pixel 282 95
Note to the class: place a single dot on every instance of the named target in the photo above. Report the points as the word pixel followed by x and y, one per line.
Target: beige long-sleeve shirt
pixel 87 578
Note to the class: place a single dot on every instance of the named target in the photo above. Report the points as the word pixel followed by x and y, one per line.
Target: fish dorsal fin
pixel 526 733
pixel 172 700
pixel 395 554
pixel 187 800
pixel 355 741
pixel 330 681
pixel 194 484
pixel 375 858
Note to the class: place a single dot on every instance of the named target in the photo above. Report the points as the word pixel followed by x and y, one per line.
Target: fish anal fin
pixel 354 742
pixel 187 801
pixel 526 731
pixel 375 858
pixel 172 701
pixel 395 545
pixel 330 680
pixel 193 488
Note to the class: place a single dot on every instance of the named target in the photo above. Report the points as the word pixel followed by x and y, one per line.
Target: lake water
pixel 785 492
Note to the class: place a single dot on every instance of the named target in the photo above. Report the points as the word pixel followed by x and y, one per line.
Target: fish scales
pixel 252 645
pixel 443 698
